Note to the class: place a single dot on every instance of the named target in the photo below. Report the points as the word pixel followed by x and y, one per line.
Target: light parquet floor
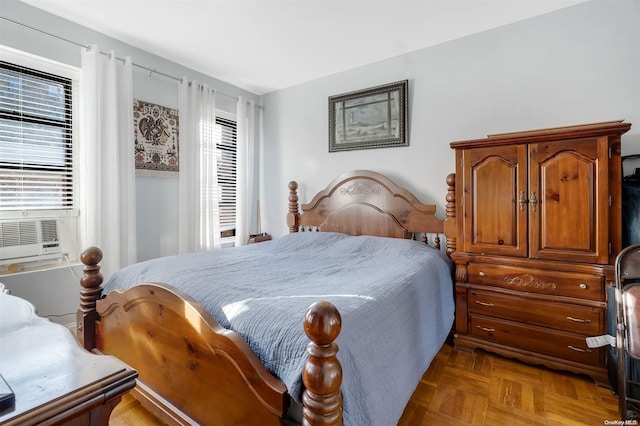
pixel 482 389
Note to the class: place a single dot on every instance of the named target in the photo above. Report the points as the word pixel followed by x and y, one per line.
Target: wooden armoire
pixel 539 225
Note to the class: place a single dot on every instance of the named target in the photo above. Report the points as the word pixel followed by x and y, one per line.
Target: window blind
pixel 227 147
pixel 36 153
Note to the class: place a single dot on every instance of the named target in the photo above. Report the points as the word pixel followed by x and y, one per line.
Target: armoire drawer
pixel 556 343
pixel 582 286
pixel 585 320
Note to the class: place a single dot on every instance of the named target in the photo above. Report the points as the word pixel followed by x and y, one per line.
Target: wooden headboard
pixel 363 202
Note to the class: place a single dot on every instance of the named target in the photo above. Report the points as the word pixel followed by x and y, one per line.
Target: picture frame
pixel 370 118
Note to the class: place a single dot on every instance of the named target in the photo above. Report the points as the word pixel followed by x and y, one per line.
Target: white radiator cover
pixel 28 240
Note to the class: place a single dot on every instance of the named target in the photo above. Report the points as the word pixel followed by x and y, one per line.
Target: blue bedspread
pixel 395 297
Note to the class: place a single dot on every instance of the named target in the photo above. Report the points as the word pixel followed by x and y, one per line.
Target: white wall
pixel 55 291
pixel 576 65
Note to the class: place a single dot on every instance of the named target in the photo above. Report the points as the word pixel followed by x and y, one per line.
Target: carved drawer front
pixel 583 286
pixel 561 344
pixel 585 320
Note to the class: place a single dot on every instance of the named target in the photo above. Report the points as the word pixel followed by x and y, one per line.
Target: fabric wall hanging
pixel 156 139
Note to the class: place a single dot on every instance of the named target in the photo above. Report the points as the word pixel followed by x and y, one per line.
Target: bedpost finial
pixel 91 256
pixel 322 373
pixel 92 277
pixel 293 217
pixel 322 323
pixel 90 291
pixel 451 179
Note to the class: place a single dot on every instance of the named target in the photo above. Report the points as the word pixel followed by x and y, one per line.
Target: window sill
pixel 39 214
pixel 36 266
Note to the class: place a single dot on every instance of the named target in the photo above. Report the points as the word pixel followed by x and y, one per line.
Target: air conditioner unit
pixel 28 240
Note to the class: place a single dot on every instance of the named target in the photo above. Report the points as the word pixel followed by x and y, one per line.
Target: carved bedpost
pixel 293 216
pixel 90 292
pixel 450 227
pixel 322 374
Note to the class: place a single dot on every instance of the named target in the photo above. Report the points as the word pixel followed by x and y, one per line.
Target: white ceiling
pixel 266 45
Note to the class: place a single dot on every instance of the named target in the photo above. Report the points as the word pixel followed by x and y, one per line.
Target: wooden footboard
pixel 194 370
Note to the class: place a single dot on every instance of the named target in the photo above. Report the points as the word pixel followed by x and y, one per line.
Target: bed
pixel 262 341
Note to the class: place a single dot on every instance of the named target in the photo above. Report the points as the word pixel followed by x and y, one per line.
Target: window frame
pixel 228 235
pixel 47 66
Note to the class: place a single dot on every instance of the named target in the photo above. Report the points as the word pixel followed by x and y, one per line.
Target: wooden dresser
pixel 539 226
pixel 53 379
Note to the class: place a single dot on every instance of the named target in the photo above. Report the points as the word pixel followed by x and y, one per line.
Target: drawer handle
pixel 584 321
pixel 583 286
pixel 488 330
pixel 481 273
pixel 484 303
pixel 573 348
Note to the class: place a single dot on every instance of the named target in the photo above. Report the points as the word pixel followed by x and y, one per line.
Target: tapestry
pixel 156 137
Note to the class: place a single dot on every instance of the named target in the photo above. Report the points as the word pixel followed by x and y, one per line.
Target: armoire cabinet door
pixel 568 179
pixel 493 179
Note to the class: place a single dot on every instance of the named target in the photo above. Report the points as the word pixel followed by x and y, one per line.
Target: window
pixel 36 140
pixel 226 144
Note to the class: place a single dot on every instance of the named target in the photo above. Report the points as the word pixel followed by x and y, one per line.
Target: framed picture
pixel 369 118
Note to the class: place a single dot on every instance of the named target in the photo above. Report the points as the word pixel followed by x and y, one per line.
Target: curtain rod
pixel 149 70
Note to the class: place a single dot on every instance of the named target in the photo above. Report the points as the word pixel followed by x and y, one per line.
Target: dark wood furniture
pixel 54 380
pixel 258 238
pixel 538 228
pixel 193 370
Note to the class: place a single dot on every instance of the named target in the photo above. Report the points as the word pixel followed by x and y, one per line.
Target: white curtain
pixel 245 134
pixel 107 174
pixel 261 172
pixel 199 214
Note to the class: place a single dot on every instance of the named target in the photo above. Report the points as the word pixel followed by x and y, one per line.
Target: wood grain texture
pixel 176 345
pixel 130 413
pixel 480 388
pixel 363 202
pixel 538 228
